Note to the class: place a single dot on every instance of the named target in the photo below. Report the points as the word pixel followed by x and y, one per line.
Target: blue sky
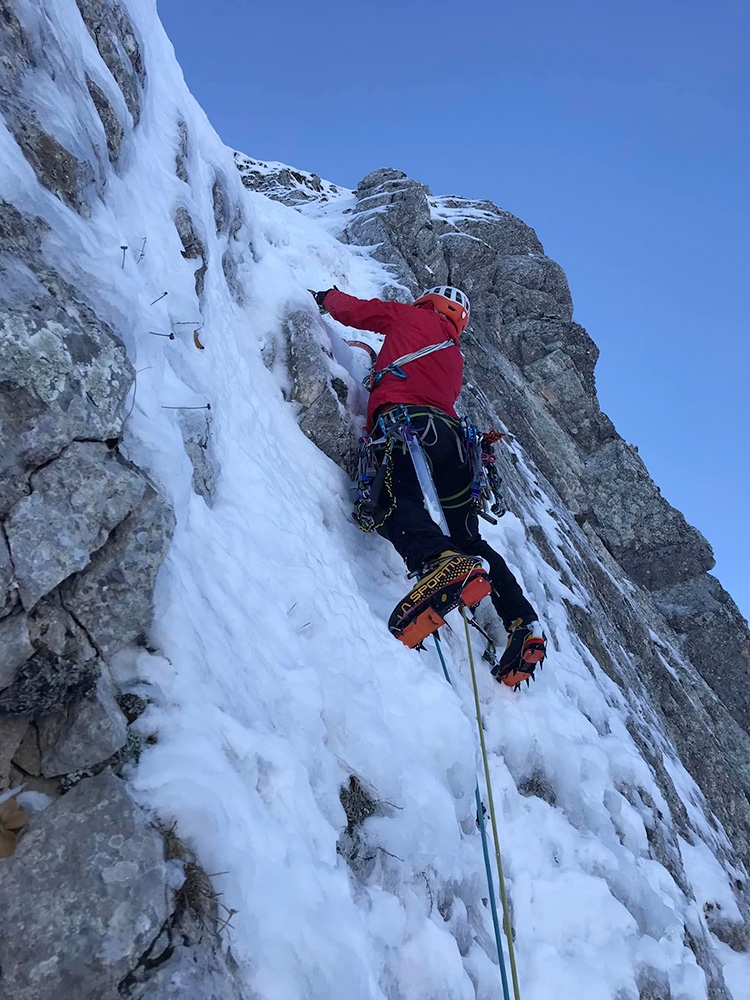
pixel 619 131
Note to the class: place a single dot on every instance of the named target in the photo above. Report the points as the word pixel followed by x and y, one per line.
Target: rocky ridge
pixel 282 183
pixel 83 533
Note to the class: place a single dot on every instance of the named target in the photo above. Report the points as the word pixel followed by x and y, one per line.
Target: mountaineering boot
pixel 526 648
pixel 447 581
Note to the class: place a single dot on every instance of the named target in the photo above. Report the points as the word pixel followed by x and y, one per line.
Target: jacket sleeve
pixel 362 314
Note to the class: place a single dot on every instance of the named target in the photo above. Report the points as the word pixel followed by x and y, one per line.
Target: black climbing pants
pixel 415 535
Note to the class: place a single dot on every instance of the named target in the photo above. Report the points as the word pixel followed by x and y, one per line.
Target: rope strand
pixel 485 852
pixel 493 821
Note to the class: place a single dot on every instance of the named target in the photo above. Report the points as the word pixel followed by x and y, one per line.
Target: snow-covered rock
pixel 143 281
pixel 284 183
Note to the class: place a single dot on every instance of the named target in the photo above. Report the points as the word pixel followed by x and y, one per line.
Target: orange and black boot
pixel 450 580
pixel 525 651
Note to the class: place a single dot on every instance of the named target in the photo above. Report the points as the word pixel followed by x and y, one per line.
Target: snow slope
pixel 275 678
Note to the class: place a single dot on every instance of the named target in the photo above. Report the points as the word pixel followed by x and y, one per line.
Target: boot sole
pixel 414 627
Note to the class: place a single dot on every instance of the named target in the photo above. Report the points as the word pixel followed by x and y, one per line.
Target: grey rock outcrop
pixel 318 388
pixel 91 862
pixel 76 501
pixel 117 41
pixel 111 124
pixel 64 377
pixel 231 263
pixel 73 180
pixel 193 247
pixel 62 665
pixel 183 150
pixel 12 731
pixel 93 910
pixel 282 183
pixel 25 59
pixel 187 963
pixel 7 585
pixel 112 597
pixel 651 540
pixel 196 429
pixel 64 147
pixel 221 206
pixel 63 374
pixel 89 732
pixel 714 636
pixel 15 647
pixel 392 214
pixel 144 916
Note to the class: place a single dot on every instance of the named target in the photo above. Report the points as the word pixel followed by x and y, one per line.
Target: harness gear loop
pixel 486 486
pixel 372 476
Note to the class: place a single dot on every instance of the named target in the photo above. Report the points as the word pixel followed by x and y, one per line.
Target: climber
pixel 429 386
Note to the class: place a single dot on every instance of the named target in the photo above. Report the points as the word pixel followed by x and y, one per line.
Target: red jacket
pixel 434 380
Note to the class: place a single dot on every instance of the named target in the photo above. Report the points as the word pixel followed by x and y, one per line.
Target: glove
pixel 320 296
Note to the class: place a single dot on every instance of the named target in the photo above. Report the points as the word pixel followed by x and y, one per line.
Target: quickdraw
pixel 373 475
pixel 486 485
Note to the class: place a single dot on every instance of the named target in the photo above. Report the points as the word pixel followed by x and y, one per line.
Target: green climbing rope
pixel 493 820
pixel 486 853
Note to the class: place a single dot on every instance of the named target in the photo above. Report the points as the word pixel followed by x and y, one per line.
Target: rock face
pixel 15 647
pixel 57 667
pixel 112 597
pixel 117 41
pixel 93 908
pixel 64 489
pixel 73 512
pixel 71 142
pixel 193 247
pixel 193 971
pixel 319 392
pixel 94 863
pixel 63 374
pixel 196 435
pixel 75 502
pixel 91 844
pixel 91 731
pixel 392 214
pixel 700 611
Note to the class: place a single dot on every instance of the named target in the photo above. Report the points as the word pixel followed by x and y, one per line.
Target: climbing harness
pixel 394 428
